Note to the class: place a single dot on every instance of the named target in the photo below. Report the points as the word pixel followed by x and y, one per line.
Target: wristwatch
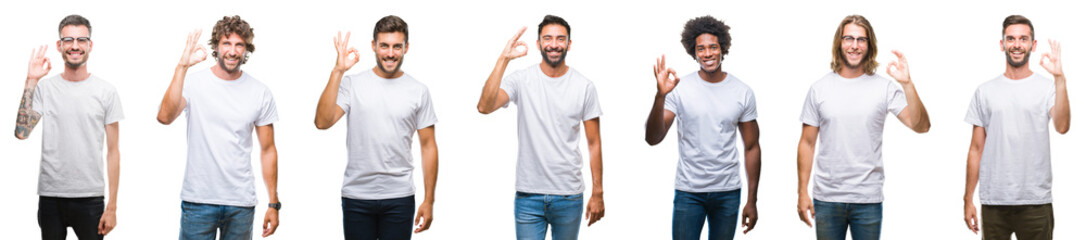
pixel 276 206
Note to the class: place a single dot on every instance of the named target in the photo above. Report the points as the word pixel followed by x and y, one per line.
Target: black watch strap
pixel 276 206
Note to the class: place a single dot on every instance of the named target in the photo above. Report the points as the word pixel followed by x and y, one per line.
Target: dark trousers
pixel 55 215
pixel 1026 222
pixel 386 219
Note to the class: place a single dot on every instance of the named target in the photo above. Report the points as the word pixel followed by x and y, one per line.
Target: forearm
pixel 489 96
pixel 113 162
pixel 429 170
pixel 972 175
pixel 27 118
pixel 270 163
pixel 754 170
pixel 1061 114
pixel 171 101
pixel 804 161
pixel 656 126
pixel 326 106
pixel 596 163
pixel 919 117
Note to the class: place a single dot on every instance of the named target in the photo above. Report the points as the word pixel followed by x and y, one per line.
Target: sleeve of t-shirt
pixel 343 99
pixel 37 101
pixel 1051 100
pixel 975 114
pixel 114 112
pixel 268 113
pixel 591 109
pixel 510 84
pixel 671 101
pixel 810 114
pixel 895 99
pixel 750 108
pixel 424 115
pixel 185 94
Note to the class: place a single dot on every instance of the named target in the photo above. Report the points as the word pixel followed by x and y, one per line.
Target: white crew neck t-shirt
pixel 74 116
pixel 1016 165
pixel 550 112
pixel 708 115
pixel 850 115
pixel 222 115
pixel 382 117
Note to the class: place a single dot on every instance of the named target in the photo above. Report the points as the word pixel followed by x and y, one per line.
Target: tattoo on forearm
pixel 28 118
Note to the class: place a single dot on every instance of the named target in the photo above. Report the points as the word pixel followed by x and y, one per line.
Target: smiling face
pixel 1017 43
pixel 854 46
pixel 553 43
pixel 709 52
pixel 74 45
pixel 231 52
pixel 389 49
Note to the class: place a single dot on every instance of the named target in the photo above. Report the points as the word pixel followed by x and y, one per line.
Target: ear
pixel 406 45
pixel 569 42
pixel 373 44
pixel 61 51
pixel 1033 47
pixel 1002 46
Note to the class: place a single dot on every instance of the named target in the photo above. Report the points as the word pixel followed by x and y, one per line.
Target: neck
pixel 75 74
pixel 383 74
pixel 714 76
pixel 224 75
pixel 850 72
pixel 554 71
pixel 1015 73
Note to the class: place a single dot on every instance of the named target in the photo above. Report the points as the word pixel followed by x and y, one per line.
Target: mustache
pixel 553 49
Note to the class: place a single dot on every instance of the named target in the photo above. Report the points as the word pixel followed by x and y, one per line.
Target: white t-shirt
pixel 707 115
pixel 382 117
pixel 74 119
pixel 850 115
pixel 549 116
pixel 221 116
pixel 1016 165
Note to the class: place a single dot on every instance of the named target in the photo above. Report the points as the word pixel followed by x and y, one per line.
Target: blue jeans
pixel 385 219
pixel 535 211
pixel 56 214
pixel 200 221
pixel 833 219
pixel 691 209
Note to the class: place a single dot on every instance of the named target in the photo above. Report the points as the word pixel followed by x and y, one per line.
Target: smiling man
pixel 710 106
pixel 80 109
pixel 1009 155
pixel 223 106
pixel 553 101
pixel 847 109
pixel 385 107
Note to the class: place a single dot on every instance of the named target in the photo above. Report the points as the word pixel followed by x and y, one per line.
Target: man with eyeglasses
pixel 223 105
pixel 1009 155
pixel 80 109
pixel 847 109
pixel 711 105
pixel 554 101
pixel 385 107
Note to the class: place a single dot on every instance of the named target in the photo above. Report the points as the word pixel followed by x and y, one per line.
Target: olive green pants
pixel 1026 222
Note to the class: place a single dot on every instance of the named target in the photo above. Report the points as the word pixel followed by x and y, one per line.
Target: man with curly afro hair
pixel 223 106
pixel 711 105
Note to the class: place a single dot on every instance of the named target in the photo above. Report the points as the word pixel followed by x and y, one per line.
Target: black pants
pixel 1026 222
pixel 55 215
pixel 386 219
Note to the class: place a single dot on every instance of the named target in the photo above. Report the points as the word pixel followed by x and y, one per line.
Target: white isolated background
pixel 779 48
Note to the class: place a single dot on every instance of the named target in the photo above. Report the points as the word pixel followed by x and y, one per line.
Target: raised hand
pixel 194 51
pixel 511 52
pixel 39 64
pixel 344 61
pixel 1053 65
pixel 664 84
pixel 899 69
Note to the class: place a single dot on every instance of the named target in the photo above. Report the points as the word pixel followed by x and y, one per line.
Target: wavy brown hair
pixel 229 25
pixel 868 64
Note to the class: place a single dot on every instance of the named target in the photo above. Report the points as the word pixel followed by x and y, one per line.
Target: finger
pixel 803 217
pixel 48 64
pixel 417 217
pixel 663 61
pixel 519 32
pixel 102 227
pixel 898 54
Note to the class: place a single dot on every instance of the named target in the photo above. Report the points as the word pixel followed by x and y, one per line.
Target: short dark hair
pixel 552 19
pixel 74 20
pixel 702 25
pixel 1017 19
pixel 235 25
pixel 390 24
